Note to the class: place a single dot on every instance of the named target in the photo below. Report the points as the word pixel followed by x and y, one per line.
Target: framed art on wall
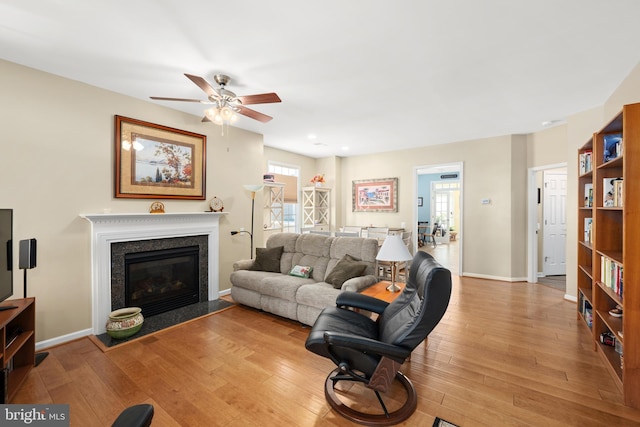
pixel 159 162
pixel 375 195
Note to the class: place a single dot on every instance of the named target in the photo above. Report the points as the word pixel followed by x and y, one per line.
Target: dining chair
pixel 379 233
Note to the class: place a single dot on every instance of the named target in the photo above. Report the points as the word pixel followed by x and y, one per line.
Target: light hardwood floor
pixel 504 354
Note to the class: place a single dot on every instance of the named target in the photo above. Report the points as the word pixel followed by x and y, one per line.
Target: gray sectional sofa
pixel 301 298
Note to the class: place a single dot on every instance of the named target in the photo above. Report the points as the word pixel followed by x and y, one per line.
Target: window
pixel 290 176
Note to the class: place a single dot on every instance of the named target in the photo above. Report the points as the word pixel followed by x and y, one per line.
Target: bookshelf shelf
pixel 17 354
pixel 608 270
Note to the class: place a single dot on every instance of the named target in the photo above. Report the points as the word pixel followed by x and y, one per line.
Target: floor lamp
pixel 253 188
pixel 393 250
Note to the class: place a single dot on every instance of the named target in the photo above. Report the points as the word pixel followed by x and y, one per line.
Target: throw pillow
pixel 301 271
pixel 268 259
pixel 347 268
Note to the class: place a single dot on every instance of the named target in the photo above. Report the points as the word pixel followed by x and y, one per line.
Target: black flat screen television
pixel 6 253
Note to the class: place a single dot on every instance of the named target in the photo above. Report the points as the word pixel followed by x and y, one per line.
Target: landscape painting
pixel 155 161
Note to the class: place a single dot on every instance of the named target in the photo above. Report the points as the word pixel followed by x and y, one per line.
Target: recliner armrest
pixel 363 302
pixel 366 345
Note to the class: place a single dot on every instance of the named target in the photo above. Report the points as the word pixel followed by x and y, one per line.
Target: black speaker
pixel 27 257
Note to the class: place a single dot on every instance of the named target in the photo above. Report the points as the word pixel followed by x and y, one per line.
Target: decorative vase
pixel 318 184
pixel 124 322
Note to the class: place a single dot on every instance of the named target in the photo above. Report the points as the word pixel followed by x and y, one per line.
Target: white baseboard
pixel 570 298
pixel 224 292
pixel 500 278
pixel 63 339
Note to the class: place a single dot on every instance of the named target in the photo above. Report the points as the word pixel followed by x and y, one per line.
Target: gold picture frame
pixel 158 162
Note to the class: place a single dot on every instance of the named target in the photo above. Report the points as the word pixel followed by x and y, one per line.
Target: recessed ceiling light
pixel 312 136
pixel 345 148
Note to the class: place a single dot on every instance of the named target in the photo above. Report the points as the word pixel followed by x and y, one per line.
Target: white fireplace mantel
pixel 110 228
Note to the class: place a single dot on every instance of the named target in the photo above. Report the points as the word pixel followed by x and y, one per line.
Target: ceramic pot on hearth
pixel 124 322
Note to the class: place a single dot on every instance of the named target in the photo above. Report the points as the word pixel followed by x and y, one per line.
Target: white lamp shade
pixel 393 249
pixel 253 187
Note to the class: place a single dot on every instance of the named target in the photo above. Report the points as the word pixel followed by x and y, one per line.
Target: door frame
pixel 459 168
pixel 532 203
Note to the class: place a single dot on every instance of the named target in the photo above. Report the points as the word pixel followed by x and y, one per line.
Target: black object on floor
pixel 135 416
pixel 439 422
pixel 40 357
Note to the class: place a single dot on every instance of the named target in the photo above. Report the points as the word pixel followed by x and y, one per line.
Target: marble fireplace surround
pixel 124 227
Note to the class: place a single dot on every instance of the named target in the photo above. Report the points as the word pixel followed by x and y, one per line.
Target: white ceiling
pixel 370 75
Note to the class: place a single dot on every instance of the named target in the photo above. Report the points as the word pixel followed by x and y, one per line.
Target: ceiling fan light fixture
pixel 126 145
pixel 137 146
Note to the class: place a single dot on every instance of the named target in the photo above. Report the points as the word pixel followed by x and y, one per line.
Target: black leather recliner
pixel 372 351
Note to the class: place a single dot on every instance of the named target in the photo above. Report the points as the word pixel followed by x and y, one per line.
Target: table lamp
pixel 393 250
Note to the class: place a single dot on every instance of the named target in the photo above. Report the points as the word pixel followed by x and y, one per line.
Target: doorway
pixel 547 247
pixel 438 207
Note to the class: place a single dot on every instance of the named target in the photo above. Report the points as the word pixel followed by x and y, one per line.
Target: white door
pixel 555 224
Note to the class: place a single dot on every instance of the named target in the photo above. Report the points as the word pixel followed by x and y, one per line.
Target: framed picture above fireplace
pixel 158 162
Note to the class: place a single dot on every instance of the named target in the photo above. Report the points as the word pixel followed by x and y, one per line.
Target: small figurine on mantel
pixel 156 208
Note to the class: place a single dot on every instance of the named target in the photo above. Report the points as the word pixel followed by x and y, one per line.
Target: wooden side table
pixel 379 291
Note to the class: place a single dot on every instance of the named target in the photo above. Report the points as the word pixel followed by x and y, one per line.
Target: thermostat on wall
pixel 485 201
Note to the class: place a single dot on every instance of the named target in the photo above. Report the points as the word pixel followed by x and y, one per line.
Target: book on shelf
pixel 585 162
pixel 588 226
pixel 611 275
pixel 618 186
pixel 588 195
pixel 612 146
pixel 612 189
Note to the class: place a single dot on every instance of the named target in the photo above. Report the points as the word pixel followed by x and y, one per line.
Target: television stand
pixel 17 345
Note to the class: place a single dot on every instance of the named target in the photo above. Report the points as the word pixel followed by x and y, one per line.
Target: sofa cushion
pixel 283 286
pixel 347 268
pixel 268 259
pixel 318 295
pixel 251 280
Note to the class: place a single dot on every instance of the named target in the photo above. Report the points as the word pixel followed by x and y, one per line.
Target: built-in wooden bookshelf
pixel 609 253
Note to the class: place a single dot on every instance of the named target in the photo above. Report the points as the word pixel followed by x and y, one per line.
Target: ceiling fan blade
pixel 203 84
pixel 162 98
pixel 263 98
pixel 205 119
pixel 253 114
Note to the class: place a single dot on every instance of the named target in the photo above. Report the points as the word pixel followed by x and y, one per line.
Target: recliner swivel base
pixel 383 419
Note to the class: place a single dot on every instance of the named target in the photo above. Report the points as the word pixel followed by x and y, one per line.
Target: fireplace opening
pixel 162 280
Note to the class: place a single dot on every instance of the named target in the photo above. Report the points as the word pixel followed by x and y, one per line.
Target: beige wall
pixel 57 162
pixel 488 173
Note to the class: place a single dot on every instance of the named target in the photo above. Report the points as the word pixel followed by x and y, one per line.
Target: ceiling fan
pixel 226 103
